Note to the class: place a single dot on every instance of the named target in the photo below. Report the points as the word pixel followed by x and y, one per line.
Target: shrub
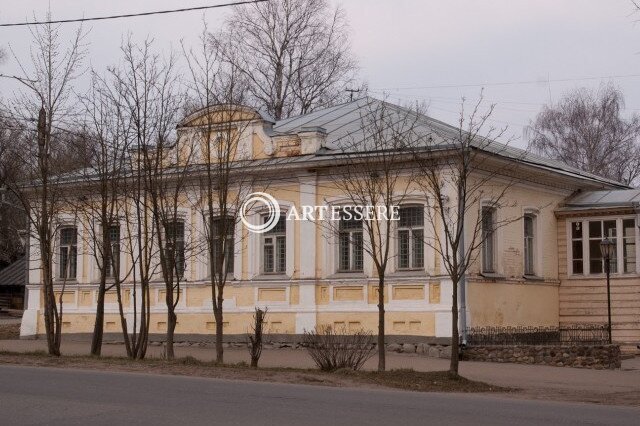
pixel 333 349
pixel 255 339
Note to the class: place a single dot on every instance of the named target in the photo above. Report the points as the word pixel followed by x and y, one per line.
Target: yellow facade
pixel 312 291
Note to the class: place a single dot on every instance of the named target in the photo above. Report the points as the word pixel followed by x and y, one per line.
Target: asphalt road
pixel 32 395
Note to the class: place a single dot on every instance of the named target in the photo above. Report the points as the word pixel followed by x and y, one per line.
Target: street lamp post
pixel 608 247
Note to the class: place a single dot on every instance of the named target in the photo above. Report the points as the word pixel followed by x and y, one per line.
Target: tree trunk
pixel 219 335
pixel 50 321
pixel 381 339
pixel 98 326
pixel 453 366
pixel 172 319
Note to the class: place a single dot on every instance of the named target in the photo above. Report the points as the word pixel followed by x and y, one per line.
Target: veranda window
pixel 589 233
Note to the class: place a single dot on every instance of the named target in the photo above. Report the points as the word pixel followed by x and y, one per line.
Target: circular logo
pixel 273 212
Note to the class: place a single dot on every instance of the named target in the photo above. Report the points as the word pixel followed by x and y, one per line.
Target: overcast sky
pixel 411 48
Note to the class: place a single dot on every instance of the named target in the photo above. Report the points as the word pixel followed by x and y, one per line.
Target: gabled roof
pixel 343 125
pixel 14 274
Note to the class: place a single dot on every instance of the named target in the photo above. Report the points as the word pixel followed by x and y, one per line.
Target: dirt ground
pixel 617 387
pixel 434 381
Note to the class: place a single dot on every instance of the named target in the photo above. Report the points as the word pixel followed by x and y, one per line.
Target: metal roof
pixel 343 124
pixel 604 199
pixel 14 274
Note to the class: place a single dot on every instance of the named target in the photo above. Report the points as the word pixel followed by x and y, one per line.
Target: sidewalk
pixel 540 382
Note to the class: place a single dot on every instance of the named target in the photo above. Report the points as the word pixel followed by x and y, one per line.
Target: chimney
pixel 312 139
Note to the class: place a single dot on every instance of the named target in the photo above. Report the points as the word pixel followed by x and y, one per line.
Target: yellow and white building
pixel 538 270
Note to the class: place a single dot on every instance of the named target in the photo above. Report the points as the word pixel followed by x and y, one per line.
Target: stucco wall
pixel 512 304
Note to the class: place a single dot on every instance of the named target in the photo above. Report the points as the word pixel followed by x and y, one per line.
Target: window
pixel 576 248
pixel 274 248
pixel 411 238
pixel 350 246
pixel 218 227
pixel 174 236
pixel 488 239
pixel 529 244
pixel 629 245
pixel 590 233
pixel 112 268
pixel 68 253
pixel 598 230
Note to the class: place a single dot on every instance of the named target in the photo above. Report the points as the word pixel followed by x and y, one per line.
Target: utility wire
pixel 506 83
pixel 130 15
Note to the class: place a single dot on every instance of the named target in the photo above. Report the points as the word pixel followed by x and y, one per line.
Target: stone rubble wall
pixel 579 356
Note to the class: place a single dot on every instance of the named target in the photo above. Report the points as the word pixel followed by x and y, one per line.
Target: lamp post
pixel 608 247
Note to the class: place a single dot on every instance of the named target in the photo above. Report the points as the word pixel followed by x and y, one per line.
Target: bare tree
pixel 145 84
pixel 217 92
pixel 11 213
pixel 295 54
pixel 100 197
pixel 463 186
pixel 47 94
pixel 586 130
pixel 370 171
pixel 169 175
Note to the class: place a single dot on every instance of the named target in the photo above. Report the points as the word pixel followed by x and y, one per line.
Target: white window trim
pixel 332 247
pixel 537 242
pixel 255 249
pixel 200 261
pixel 68 221
pixel 427 233
pixel 497 269
pixel 585 245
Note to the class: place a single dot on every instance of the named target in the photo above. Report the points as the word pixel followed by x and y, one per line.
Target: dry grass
pixel 429 381
pixel 9 331
pixel 437 381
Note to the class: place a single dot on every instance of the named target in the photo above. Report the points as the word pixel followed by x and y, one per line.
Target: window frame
pixel 279 259
pixel 62 267
pixel 530 252
pixel 492 238
pixel 352 248
pixel 109 273
pixel 411 241
pixel 180 272
pixel 585 245
pixel 231 252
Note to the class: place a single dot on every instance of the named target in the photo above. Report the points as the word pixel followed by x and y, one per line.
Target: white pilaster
pixel 307 240
pixel 29 325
